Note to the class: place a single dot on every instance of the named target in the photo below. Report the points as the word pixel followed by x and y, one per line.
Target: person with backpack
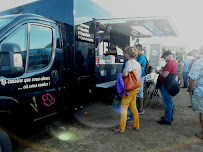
pixel 143 62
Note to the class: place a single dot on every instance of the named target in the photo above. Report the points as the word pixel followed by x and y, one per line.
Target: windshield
pixel 4 21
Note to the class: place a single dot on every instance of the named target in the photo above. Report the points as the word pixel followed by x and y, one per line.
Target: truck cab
pixel 31 63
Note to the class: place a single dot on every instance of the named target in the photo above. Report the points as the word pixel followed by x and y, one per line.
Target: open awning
pixel 142 27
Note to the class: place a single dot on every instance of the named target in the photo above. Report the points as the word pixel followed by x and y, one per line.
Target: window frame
pixel 28 46
pixel 52 26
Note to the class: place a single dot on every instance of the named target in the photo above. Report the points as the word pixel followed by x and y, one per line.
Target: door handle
pixel 54 76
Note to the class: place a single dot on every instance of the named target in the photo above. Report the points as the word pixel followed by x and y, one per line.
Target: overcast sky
pixel 186 15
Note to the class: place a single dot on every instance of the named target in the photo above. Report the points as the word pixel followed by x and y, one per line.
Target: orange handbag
pixel 132 81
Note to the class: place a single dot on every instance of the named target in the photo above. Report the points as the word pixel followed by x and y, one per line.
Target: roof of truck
pixel 27 16
pixel 14 19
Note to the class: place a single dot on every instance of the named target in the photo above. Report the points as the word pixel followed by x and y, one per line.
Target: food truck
pixel 54 54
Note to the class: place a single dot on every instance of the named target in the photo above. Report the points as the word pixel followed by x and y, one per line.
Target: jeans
pixel 140 93
pixel 185 77
pixel 168 103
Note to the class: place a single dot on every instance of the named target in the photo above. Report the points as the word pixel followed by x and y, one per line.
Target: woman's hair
pixel 131 51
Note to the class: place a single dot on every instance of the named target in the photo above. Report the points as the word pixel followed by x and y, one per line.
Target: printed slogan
pixel 29 83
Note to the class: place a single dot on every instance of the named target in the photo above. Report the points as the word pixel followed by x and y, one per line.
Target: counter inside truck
pixel 109 53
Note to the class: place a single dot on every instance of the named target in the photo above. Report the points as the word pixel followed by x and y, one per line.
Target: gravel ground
pixel 92 131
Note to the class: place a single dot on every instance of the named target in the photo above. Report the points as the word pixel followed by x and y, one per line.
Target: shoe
pixel 130 119
pixel 190 106
pixel 141 112
pixel 132 127
pixel 118 130
pixel 199 135
pixel 163 118
pixel 163 122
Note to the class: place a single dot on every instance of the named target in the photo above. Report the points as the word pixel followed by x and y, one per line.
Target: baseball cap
pixel 166 53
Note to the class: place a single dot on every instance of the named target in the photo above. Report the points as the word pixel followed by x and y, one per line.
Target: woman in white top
pixel 130 101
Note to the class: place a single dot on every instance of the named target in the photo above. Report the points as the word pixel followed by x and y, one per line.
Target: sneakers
pixel 132 127
pixel 199 135
pixel 118 130
pixel 163 122
pixel 130 119
pixel 141 112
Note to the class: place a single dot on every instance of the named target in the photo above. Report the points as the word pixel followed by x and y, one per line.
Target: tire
pixel 5 142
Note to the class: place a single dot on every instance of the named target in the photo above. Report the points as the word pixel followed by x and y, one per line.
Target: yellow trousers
pixel 129 101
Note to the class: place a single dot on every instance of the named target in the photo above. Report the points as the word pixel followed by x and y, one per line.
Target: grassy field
pixel 91 131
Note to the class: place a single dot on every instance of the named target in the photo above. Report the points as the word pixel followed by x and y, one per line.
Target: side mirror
pixel 11 63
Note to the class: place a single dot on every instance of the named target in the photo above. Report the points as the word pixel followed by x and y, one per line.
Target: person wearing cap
pixel 195 89
pixel 170 67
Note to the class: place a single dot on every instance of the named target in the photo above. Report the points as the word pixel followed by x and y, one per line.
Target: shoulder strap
pixel 139 56
pixel 145 57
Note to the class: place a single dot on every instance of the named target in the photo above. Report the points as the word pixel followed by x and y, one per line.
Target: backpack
pixel 171 85
pixel 148 68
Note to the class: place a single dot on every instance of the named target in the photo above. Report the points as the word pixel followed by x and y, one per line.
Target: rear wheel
pixel 5 142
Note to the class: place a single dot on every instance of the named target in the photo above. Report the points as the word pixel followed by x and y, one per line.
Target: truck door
pixel 38 88
pixel 84 60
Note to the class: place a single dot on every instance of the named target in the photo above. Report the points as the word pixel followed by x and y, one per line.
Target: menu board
pixel 83 32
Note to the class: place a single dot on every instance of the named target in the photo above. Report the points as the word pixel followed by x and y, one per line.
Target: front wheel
pixel 5 142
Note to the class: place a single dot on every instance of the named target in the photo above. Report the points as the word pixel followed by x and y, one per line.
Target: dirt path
pixel 92 132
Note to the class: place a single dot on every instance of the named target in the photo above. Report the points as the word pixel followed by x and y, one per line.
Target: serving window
pixel 110 43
